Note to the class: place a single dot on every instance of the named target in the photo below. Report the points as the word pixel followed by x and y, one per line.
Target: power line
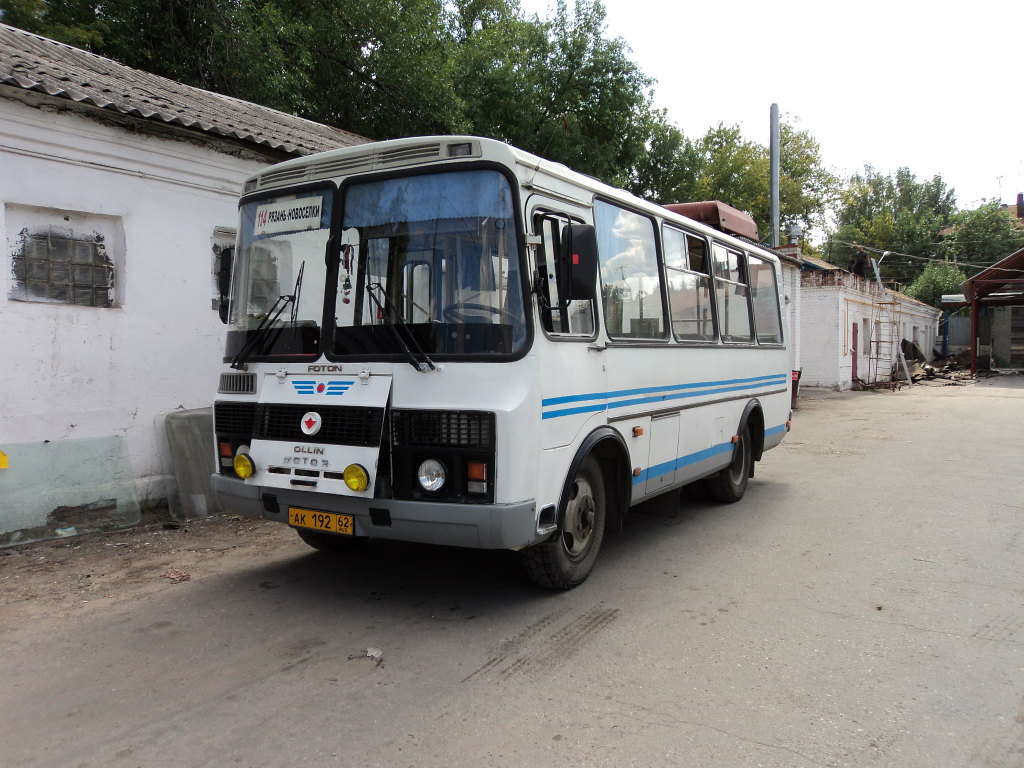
pixel 932 259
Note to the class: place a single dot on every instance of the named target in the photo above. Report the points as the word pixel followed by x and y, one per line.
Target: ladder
pixel 886 345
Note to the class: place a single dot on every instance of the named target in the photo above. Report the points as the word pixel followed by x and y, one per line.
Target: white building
pixel 852 328
pixel 117 191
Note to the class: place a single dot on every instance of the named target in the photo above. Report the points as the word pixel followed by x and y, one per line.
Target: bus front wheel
pixel 567 558
pixel 730 484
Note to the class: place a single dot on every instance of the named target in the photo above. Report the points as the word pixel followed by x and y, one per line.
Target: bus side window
pixel 732 292
pixel 764 296
pixel 689 286
pixel 630 276
pixel 576 319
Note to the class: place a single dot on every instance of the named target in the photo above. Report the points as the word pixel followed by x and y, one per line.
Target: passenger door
pixel 570 359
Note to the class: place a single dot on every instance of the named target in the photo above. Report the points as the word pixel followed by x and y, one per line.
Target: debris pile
pixel 948 371
pixel 954 370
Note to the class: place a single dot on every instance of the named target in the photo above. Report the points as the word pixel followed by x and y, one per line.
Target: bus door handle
pixel 597 347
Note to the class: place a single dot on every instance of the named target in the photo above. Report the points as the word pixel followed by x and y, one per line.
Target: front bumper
pixel 479 526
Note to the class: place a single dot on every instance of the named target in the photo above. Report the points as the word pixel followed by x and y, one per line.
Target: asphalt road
pixel 861 606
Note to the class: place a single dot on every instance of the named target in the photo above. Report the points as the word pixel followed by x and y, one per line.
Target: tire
pixel 329 542
pixel 566 559
pixel 729 485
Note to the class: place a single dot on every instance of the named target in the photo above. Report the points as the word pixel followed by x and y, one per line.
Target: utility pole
pixel 774 182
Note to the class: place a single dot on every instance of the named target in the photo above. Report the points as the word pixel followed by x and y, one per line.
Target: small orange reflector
pixel 636 472
pixel 788 423
pixel 225 450
pixel 476 470
pixel 637 431
pixel 735 439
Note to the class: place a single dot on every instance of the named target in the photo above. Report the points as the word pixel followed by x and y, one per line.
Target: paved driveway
pixel 862 606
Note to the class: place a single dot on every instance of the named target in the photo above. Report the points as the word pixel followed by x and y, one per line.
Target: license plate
pixel 321 521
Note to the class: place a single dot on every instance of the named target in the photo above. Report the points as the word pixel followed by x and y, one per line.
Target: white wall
pixel 821 346
pixel 831 302
pixel 87 375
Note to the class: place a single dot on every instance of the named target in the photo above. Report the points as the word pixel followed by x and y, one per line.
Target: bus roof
pixel 722 221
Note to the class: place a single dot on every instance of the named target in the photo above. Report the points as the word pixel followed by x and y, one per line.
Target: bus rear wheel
pixel 567 558
pixel 730 484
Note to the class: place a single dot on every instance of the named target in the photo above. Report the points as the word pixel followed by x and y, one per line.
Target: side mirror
pixel 578 262
pixel 224 281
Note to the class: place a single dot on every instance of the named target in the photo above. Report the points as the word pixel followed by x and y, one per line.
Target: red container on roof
pixel 720 216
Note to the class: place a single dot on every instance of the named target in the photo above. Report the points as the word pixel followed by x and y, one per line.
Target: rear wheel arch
pixel 753 416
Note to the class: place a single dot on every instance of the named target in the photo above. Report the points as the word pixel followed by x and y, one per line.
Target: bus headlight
pixel 356 477
pixel 431 475
pixel 243 465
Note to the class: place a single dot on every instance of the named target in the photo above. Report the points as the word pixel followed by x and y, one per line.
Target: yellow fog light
pixel 243 465
pixel 356 478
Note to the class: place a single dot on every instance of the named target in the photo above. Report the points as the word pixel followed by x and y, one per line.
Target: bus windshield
pixel 277 286
pixel 429 263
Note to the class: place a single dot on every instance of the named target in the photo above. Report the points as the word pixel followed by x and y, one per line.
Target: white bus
pixel 451 341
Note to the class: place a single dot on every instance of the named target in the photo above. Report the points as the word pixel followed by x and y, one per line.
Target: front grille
pixel 455 429
pixel 339 425
pixel 234 418
pixel 237 384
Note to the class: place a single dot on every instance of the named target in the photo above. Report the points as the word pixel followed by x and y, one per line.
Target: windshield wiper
pixel 263 329
pixel 295 294
pixel 383 311
pixel 260 332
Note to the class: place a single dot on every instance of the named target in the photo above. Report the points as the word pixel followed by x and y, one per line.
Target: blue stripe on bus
pixel 683 461
pixel 773 378
pixel 671 466
pixel 674 392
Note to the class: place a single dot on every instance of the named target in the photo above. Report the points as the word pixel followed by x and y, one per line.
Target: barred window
pixel 51 267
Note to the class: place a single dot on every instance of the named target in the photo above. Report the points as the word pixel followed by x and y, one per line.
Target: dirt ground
pixel 53 580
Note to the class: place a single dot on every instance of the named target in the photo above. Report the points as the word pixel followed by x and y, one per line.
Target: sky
pixel 937 87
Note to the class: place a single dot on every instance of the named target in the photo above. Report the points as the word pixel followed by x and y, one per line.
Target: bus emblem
pixel 311 423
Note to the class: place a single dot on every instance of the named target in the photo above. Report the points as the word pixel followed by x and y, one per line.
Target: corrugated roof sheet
pixel 813 262
pixel 1003 277
pixel 39 64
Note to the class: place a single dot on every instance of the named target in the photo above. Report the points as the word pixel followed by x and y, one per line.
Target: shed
pixel 1000 285
pixel 853 327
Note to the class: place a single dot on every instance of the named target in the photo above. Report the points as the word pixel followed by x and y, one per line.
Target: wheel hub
pixel 580 516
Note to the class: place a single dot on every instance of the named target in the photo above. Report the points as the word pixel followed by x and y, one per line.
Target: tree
pixel 558 88
pixel 723 165
pixel 893 213
pixel 936 279
pixel 982 236
pixel 807 189
pixel 667 170
pixel 75 22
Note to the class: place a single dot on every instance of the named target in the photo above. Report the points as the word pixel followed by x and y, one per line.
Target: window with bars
pixel 62 269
